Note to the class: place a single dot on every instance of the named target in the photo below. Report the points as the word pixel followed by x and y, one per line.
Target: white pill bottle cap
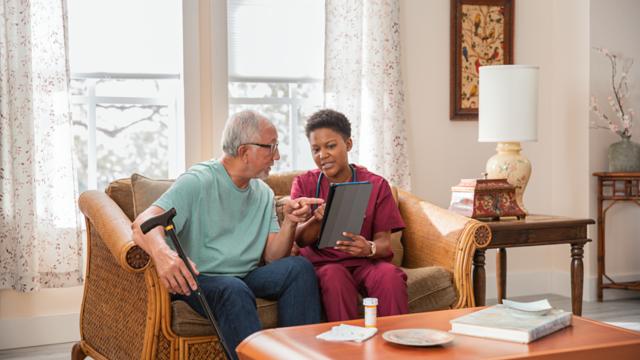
pixel 370 301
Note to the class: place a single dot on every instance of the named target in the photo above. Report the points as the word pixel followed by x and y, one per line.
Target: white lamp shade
pixel 508 105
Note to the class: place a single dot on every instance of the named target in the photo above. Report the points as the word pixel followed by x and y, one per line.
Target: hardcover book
pixel 503 323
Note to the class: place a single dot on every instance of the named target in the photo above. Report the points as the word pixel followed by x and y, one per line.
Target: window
pixel 275 53
pixel 126 87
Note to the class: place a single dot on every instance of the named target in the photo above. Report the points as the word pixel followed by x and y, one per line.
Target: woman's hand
pixel 318 213
pixel 359 247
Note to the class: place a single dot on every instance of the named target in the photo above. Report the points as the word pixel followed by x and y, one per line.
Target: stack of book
pixel 515 323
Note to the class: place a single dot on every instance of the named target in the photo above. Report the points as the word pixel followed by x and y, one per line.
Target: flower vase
pixel 624 156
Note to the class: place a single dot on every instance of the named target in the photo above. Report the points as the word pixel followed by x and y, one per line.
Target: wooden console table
pixel 614 187
pixel 534 230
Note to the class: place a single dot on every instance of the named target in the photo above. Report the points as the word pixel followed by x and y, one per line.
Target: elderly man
pixel 226 223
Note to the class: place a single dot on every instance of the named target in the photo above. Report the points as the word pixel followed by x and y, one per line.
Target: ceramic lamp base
pixel 509 164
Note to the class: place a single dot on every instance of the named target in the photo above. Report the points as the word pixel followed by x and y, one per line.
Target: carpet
pixel 635 326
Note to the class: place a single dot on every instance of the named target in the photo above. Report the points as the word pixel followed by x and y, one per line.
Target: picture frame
pixel 481 34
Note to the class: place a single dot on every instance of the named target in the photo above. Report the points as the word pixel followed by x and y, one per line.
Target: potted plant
pixel 624 155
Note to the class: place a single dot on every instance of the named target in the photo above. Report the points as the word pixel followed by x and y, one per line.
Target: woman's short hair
pixel 331 119
pixel 241 128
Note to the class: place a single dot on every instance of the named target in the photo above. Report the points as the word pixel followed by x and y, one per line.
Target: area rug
pixel 635 326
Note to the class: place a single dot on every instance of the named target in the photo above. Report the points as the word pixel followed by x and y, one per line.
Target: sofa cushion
pixel 187 322
pixel 280 200
pixel 430 288
pixel 396 237
pixel 120 191
pixel 145 191
pixel 280 183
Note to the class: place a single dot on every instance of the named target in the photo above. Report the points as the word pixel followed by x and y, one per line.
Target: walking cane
pixel 166 221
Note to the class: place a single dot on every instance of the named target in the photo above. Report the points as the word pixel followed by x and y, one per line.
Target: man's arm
pixel 295 211
pixel 172 271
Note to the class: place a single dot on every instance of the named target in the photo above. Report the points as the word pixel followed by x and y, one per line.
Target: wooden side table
pixel 534 230
pixel 613 187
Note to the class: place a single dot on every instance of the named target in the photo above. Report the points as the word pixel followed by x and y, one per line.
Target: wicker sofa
pixel 127 314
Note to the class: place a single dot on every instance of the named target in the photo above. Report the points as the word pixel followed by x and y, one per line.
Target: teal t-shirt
pixel 222 228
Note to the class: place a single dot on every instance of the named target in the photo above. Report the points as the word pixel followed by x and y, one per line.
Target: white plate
pixel 418 337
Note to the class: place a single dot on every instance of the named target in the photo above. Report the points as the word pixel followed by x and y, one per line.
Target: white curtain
pixel 363 81
pixel 40 237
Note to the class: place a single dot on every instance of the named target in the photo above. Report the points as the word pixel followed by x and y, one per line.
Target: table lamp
pixel 507 114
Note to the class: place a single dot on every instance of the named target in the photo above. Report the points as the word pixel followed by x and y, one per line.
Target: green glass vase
pixel 624 156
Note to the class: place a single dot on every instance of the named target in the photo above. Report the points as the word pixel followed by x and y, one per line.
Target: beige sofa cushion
pixel 187 322
pixel 120 191
pixel 396 237
pixel 430 288
pixel 146 191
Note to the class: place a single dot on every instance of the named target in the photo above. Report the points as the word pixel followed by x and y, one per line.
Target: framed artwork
pixel 481 34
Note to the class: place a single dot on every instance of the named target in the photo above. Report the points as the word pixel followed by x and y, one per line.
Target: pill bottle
pixel 370 312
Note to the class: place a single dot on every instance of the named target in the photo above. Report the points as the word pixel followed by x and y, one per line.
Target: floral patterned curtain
pixel 363 81
pixel 40 237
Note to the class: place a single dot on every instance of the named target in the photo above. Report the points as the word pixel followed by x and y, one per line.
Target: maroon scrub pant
pixel 340 286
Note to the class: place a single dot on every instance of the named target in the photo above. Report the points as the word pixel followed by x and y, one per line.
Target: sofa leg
pixel 77 353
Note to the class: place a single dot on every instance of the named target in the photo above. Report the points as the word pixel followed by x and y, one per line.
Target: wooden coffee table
pixel 584 340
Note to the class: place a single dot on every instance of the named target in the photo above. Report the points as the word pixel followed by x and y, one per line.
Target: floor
pixel 625 313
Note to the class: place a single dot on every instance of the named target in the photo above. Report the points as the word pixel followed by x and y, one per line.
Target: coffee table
pixel 584 340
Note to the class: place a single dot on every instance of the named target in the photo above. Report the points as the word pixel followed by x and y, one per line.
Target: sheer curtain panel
pixel 363 81
pixel 40 237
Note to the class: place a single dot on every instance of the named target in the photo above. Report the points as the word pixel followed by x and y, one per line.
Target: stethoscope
pixel 353 178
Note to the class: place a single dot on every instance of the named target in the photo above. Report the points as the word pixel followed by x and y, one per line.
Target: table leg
pixel 501 273
pixel 479 278
pixel 577 273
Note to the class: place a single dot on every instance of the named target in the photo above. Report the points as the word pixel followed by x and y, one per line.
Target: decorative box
pixel 485 198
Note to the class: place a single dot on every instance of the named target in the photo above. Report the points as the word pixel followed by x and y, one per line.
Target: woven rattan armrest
pixel 438 237
pixel 114 227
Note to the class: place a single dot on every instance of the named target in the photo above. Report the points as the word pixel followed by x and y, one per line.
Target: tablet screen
pixel 345 211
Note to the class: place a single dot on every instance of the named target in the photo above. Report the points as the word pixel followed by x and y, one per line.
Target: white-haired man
pixel 227 224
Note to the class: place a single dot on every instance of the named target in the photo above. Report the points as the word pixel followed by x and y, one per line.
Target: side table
pixel 534 230
pixel 613 187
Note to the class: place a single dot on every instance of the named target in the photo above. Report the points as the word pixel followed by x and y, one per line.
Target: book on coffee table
pixel 504 323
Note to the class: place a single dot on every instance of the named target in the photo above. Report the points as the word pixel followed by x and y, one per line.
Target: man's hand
pixel 173 272
pixel 359 247
pixel 299 210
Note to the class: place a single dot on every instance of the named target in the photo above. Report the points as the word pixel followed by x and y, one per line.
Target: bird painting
pixel 476 24
pixel 495 54
pixel 465 53
pixel 473 91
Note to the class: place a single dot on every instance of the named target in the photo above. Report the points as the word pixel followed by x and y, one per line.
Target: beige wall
pixel 552 34
pixel 616 28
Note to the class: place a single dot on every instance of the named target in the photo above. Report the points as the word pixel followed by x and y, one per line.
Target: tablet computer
pixel 344 212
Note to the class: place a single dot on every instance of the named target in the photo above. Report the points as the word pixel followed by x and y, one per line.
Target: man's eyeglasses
pixel 273 148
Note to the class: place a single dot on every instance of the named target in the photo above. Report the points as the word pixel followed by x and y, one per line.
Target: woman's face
pixel 329 150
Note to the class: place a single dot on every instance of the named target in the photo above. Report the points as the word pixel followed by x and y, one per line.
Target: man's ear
pixel 243 153
pixel 349 144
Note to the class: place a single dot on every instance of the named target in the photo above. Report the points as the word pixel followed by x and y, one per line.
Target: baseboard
pixel 590 287
pixel 557 282
pixel 40 330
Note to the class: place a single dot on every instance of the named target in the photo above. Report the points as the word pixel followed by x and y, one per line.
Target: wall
pixel 608 21
pixel 552 34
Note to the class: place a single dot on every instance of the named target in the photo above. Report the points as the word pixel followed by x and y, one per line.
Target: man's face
pixel 261 158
